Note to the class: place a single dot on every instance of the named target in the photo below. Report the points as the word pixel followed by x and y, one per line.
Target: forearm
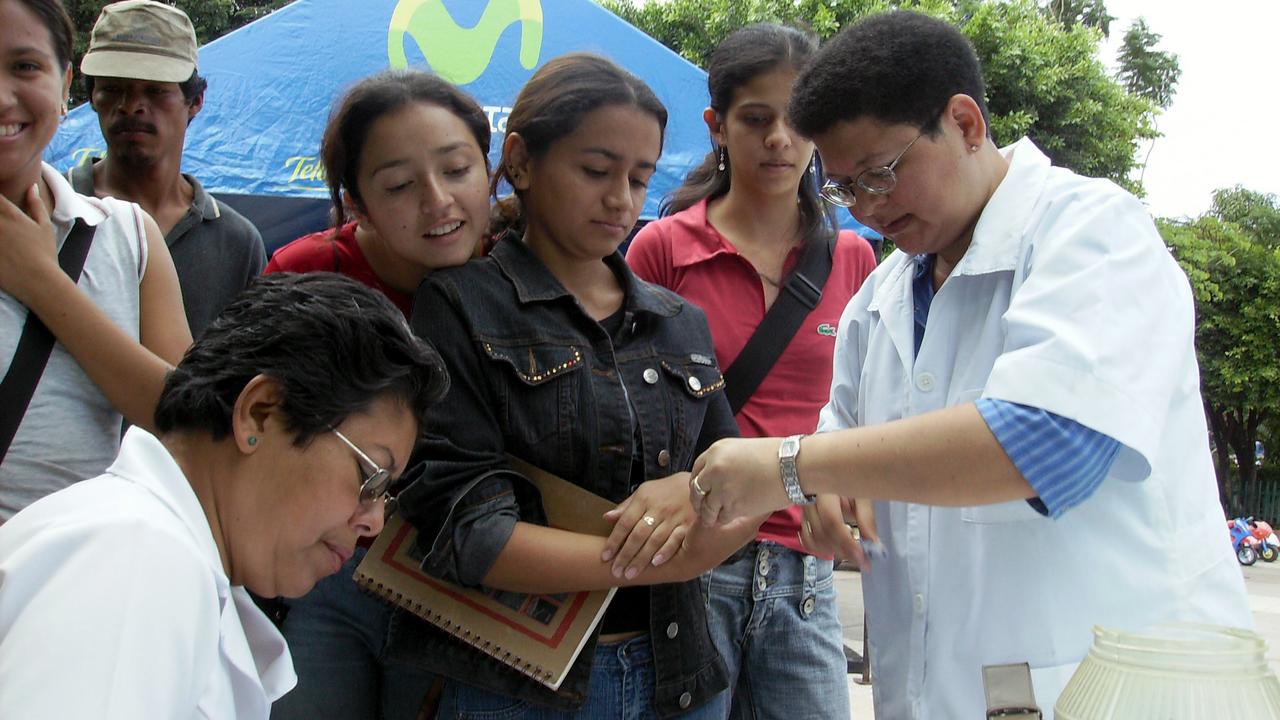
pixel 547 560
pixel 129 375
pixel 948 457
pixel 540 559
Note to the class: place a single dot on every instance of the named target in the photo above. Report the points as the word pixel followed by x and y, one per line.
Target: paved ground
pixel 1261 579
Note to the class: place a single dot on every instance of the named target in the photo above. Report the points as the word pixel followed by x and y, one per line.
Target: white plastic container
pixel 1172 672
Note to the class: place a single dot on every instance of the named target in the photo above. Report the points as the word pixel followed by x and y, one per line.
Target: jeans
pixel 336 634
pixel 772 615
pixel 621 689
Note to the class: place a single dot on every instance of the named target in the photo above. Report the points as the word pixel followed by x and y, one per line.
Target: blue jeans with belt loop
pixel 773 617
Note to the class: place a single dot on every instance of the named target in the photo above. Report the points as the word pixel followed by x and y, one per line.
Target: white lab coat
pixel 114 604
pixel 1067 300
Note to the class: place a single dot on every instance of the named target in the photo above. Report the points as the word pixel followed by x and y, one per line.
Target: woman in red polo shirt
pixel 730 237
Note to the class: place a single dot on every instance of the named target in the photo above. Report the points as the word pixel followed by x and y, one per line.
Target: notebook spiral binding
pixel 487 647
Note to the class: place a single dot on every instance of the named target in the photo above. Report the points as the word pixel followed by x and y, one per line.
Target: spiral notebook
pixel 538 635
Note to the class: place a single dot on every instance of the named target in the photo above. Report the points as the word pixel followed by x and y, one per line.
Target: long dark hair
pixel 371 98
pixel 552 105
pixel 740 58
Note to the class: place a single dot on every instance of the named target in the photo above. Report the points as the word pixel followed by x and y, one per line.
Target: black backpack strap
pixel 36 343
pixel 799 296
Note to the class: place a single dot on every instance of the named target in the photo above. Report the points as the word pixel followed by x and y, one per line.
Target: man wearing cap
pixel 140 74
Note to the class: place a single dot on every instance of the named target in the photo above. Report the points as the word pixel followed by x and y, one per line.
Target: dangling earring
pixel 813 165
pixel 720 167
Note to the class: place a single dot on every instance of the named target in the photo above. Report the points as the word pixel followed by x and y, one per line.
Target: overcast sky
pixel 1222 127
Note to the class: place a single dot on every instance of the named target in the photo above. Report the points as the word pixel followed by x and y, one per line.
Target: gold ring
pixel 698 488
pixel 649 520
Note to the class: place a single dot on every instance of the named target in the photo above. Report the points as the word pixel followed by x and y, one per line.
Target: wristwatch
pixel 787 453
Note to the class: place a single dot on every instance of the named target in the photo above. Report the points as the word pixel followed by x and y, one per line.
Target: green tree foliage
pixel 1044 78
pixel 1145 71
pixel 211 18
pixel 1257 214
pixel 1235 277
pixel 1089 13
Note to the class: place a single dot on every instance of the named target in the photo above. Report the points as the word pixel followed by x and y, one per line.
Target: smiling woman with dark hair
pixel 124 596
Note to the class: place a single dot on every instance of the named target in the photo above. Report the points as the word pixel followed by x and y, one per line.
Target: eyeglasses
pixel 876 180
pixel 376 482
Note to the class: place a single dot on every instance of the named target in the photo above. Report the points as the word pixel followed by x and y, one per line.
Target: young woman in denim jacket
pixel 559 355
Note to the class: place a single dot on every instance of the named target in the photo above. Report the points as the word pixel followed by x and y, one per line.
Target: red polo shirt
pixel 335 250
pixel 685 253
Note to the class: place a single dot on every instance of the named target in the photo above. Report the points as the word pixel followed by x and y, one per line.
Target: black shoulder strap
pixel 36 343
pixel 799 296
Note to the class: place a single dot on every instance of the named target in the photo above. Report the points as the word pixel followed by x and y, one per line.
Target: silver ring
pixel 649 520
pixel 698 488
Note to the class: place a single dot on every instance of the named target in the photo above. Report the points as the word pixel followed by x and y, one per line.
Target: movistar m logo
pixel 458 54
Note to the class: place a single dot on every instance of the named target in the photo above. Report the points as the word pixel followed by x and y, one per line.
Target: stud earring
pixel 973 148
pixel 253 440
pixel 720 167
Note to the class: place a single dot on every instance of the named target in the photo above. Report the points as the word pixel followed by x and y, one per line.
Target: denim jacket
pixel 534 376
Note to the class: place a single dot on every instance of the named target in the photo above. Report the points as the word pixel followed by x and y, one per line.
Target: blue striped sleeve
pixel 1062 460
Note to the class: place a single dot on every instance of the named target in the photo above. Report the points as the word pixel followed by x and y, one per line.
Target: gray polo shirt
pixel 216 251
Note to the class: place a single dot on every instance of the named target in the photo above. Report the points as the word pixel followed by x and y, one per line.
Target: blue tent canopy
pixel 272 83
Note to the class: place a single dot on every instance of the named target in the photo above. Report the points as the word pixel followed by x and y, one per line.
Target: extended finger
pixel 697 492
pixel 709 513
pixel 674 542
pixel 34 206
pixel 644 558
pixel 866 517
pixel 624 520
pixel 635 541
pixel 835 534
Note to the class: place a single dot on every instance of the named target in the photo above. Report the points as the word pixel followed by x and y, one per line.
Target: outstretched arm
pixel 945 457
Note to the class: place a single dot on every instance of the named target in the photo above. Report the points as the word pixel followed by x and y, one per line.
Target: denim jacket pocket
pixel 698 381
pixel 692 386
pixel 537 384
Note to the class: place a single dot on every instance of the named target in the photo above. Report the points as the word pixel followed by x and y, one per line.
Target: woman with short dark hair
pixel 124 596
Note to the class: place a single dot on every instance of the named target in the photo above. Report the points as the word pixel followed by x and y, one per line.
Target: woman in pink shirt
pixel 730 239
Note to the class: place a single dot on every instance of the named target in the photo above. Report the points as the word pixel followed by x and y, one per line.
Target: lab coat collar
pixel 996 244
pixel 263 660
pixel 997 237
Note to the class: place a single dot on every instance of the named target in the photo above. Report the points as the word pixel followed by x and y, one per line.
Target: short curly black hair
pixel 896 67
pixel 334 345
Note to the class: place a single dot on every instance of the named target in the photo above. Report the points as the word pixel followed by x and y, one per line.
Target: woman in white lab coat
pixel 124 596
pixel 1016 389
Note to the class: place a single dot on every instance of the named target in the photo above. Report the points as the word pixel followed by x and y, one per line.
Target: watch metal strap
pixel 788 451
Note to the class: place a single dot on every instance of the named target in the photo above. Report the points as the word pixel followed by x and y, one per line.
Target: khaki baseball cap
pixel 141 40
